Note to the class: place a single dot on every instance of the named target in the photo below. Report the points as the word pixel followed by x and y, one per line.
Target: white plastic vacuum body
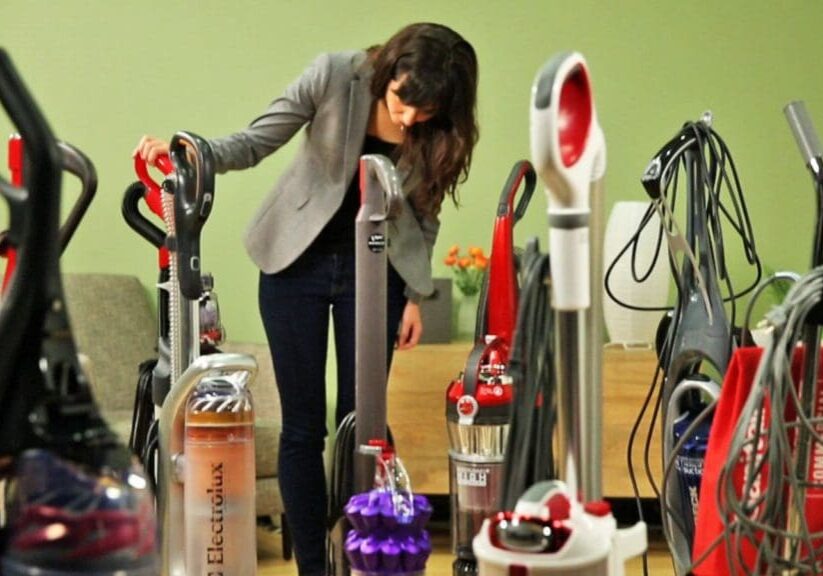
pixel 548 533
pixel 565 527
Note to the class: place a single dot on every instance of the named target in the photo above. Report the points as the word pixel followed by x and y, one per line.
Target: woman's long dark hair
pixel 440 70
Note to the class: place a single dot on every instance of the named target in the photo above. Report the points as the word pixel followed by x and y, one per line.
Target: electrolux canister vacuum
pixel 206 474
pixel 78 501
pixel 381 530
pixel 478 403
pixel 557 527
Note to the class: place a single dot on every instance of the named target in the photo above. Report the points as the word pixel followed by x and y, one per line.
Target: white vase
pixel 625 326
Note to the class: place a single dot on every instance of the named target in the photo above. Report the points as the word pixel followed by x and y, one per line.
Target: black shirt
pixel 338 235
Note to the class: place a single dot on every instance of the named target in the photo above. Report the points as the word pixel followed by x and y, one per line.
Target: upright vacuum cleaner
pixel 206 474
pixel 79 503
pixel 74 162
pixel 381 530
pixel 564 527
pixel 478 402
pixel 155 375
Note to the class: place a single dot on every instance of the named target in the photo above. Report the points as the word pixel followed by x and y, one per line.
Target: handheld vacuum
pixel 698 336
pixel 78 501
pixel 478 402
pixel 564 527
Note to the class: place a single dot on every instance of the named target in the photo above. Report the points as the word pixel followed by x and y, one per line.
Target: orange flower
pixel 469 268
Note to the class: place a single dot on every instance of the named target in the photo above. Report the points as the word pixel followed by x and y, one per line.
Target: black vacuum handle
pixel 42 151
pixel 134 218
pixel 521 171
pixel 655 176
pixel 193 198
pixel 21 311
pixel 77 163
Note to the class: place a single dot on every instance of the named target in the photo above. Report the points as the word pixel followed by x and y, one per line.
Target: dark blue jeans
pixel 295 305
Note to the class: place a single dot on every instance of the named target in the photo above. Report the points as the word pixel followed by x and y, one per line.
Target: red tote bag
pixel 735 391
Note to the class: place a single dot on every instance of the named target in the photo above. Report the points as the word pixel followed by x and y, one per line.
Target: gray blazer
pixel 332 98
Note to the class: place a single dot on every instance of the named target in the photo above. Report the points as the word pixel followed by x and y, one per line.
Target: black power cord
pixel 529 453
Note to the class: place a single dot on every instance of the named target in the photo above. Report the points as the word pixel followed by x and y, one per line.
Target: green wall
pixel 107 71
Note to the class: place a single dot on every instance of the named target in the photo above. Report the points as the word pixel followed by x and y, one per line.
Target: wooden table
pixel 417 414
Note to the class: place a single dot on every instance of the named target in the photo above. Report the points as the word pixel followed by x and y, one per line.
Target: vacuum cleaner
pixel 155 375
pixel 73 162
pixel 478 402
pixel 78 502
pixel 206 474
pixel 698 335
pixel 381 530
pixel 564 527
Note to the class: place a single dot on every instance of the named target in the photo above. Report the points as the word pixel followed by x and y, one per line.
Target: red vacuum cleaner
pixel 478 402
pixel 155 375
pixel 74 162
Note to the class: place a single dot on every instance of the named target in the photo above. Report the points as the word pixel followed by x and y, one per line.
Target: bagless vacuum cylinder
pixel 477 418
pixel 219 479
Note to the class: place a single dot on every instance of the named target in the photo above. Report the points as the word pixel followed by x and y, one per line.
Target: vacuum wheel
pixel 463 567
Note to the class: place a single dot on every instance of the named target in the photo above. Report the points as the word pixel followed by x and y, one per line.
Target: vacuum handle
pixel 522 170
pixel 805 135
pixel 77 163
pixel 141 168
pixel 655 177
pixel 383 202
pixel 41 148
pixel 34 214
pixel 135 219
pixel 193 162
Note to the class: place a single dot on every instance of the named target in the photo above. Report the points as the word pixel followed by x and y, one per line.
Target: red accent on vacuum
pixel 574 116
pixel 16 170
pixel 154 196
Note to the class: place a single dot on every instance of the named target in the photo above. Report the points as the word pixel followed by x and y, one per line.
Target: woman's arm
pixel 411 326
pixel 429 226
pixel 282 119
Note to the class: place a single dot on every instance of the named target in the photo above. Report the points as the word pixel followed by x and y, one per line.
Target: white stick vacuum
pixel 557 527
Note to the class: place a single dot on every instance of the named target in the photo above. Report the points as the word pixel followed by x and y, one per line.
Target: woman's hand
pixel 411 327
pixel 150 148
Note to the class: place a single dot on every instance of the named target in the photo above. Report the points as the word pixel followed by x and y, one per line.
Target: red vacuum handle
pixel 7 249
pixel 153 189
pixel 501 308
